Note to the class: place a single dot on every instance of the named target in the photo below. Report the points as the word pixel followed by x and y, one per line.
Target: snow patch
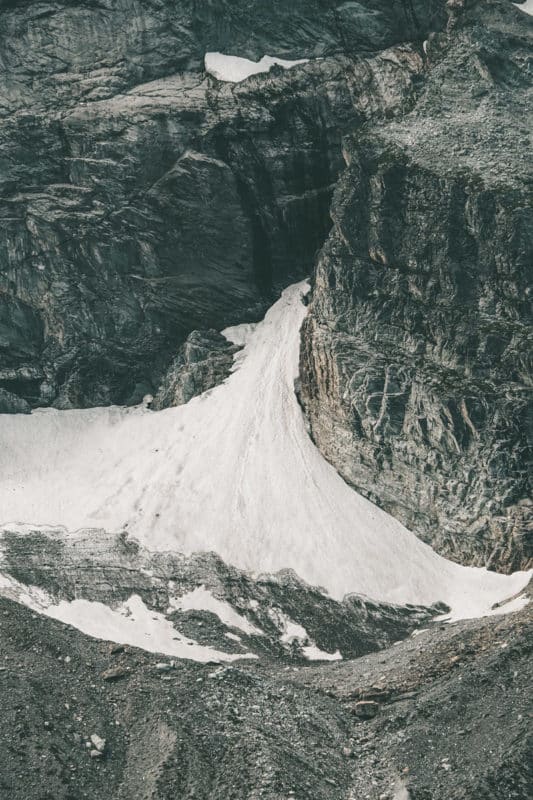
pixel 200 599
pixel 130 623
pixel 527 7
pixel 134 624
pixel 235 69
pixel 233 471
pixel 314 653
pixel 293 632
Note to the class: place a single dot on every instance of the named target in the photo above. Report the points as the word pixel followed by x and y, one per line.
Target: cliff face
pixel 142 199
pixel 416 362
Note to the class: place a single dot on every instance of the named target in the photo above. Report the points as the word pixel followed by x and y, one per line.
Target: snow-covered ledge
pixel 235 69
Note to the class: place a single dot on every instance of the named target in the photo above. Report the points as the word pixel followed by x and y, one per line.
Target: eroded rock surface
pixel 279 611
pixel 416 355
pixel 204 361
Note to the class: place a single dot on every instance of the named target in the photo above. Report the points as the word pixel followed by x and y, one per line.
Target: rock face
pixel 11 404
pixel 142 199
pixel 416 362
pixel 204 361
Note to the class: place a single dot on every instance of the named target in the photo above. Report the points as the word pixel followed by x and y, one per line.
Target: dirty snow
pixel 135 624
pixel 235 69
pixel 233 471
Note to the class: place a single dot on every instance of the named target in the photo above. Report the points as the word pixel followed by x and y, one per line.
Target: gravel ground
pixel 444 714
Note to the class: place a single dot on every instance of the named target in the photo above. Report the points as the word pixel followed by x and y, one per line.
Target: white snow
pixel 201 599
pixel 30 596
pixel 235 69
pixel 135 624
pixel 233 471
pixel 314 653
pixel 292 631
pixel 527 7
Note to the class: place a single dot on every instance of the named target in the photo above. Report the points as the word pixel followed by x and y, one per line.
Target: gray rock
pixel 142 199
pixel 416 356
pixel 114 673
pixel 98 742
pixel 365 709
pixel 204 361
pixel 12 404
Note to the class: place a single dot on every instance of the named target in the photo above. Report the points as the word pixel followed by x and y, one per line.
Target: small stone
pixel 347 752
pixel 114 673
pixel 116 648
pixel 98 742
pixel 96 754
pixel 162 667
pixel 365 709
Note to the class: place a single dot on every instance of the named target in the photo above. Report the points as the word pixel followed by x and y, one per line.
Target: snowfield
pixel 235 69
pixel 233 471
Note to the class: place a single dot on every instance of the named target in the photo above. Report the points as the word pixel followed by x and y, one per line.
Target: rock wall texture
pixel 416 359
pixel 141 199
pixel 204 361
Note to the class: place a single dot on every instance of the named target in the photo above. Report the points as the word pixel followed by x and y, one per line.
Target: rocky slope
pixel 416 362
pixel 445 718
pixel 279 613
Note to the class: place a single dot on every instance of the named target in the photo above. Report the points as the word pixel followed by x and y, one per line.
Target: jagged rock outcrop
pixel 416 362
pixel 142 199
pixel 204 361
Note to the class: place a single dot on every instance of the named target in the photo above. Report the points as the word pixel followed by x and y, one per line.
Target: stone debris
pixel 98 742
pixel 164 667
pixel 115 673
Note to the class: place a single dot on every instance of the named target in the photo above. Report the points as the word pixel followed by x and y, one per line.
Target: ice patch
pixel 201 599
pixel 235 472
pixel 235 69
